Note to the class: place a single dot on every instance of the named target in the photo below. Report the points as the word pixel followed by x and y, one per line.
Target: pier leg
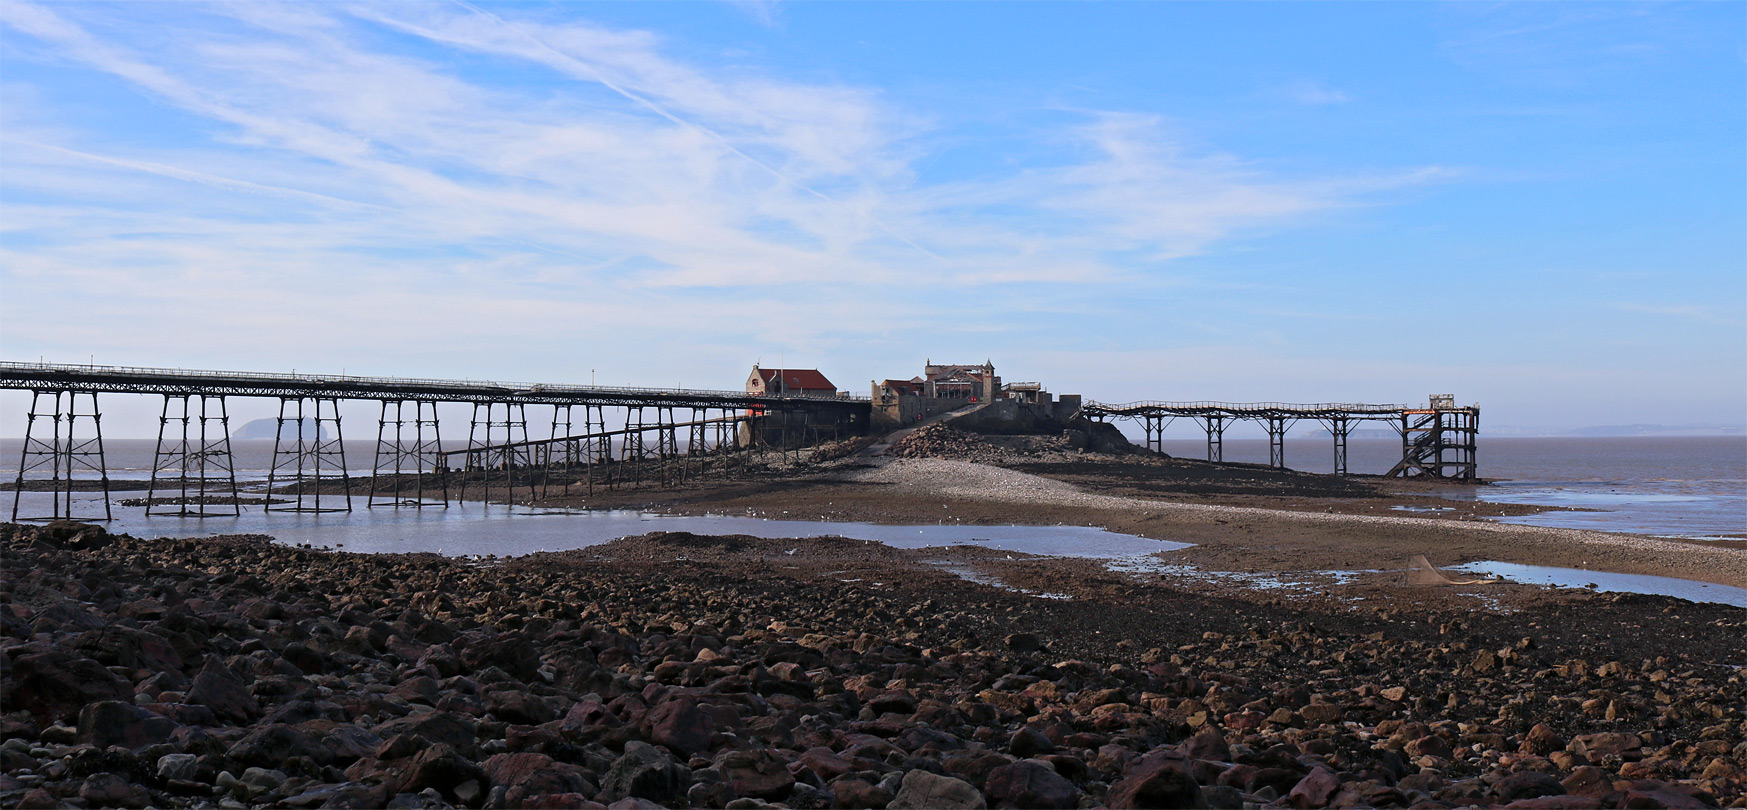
pixel 1340 427
pixel 308 458
pixel 403 454
pixel 1277 427
pixel 1215 426
pixel 196 454
pixel 63 453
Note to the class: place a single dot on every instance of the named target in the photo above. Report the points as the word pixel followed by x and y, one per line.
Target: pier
pixel 1438 439
pixel 192 469
pixel 193 475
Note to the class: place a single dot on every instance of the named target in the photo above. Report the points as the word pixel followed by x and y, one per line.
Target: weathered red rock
pixel 1314 790
pixel 680 725
pixel 1029 783
pixel 1157 781
pixel 54 685
pixel 757 774
pixel 219 689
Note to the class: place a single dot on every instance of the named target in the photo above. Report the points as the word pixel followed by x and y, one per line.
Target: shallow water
pixel 475 529
pixel 1611 583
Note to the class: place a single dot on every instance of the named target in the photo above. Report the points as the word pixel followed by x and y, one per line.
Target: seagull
pixel 791 552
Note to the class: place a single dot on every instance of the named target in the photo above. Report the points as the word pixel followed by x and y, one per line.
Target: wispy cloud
pixel 373 150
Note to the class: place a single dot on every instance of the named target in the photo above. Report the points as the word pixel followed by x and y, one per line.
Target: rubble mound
pixel 942 441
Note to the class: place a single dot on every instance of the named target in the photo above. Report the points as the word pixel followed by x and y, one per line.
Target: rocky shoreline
pixel 674 670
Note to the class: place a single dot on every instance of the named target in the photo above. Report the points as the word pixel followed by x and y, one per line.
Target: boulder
pixel 1157 781
pixel 109 790
pixel 921 790
pixel 534 774
pixel 1208 745
pixel 517 706
pixel 112 722
pixel 454 729
pixel 271 745
pixel 759 773
pixel 680 725
pixel 859 794
pixel 1527 785
pixel 1314 790
pixel 645 772
pixel 1598 747
pixel 1028 742
pixel 1540 741
pixel 55 686
pixel 439 767
pixel 220 690
pixel 1029 783
pixel 117 645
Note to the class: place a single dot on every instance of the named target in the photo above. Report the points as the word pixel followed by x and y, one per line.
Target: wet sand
pixel 1319 523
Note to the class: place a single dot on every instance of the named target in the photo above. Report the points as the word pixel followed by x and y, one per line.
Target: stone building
pixel 977 383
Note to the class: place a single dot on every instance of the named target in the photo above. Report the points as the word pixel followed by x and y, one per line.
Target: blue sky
pixel 1540 207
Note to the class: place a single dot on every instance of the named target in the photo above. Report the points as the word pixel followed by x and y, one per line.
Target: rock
pixel 535 774
pixel 109 790
pixel 1027 742
pixel 1157 781
pixel 117 645
pixel 1314 790
pixel 1597 747
pixel 271 745
pixel 1029 783
pixel 220 690
pixel 921 790
pixel 1320 713
pixel 54 685
pixel 758 774
pixel 346 741
pixel 646 772
pixel 309 661
pixel 859 794
pixel 1208 745
pixel 352 795
pixel 1562 802
pixel 1024 642
pixel 1541 741
pixel 456 730
pixel 1527 785
pixel 1431 745
pixel 895 701
pixel 622 804
pixel 1657 795
pixel 516 706
pixel 112 722
pixel 680 725
pixel 178 766
pixel 74 536
pixel 975 766
pixel 293 712
pixel 439 767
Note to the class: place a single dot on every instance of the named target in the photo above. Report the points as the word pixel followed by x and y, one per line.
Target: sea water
pixel 1674 486
pixel 1680 486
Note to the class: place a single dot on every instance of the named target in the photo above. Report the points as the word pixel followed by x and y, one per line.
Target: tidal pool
pixel 1690 590
pixel 509 531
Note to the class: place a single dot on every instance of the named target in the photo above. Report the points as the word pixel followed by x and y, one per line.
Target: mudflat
pixel 1240 518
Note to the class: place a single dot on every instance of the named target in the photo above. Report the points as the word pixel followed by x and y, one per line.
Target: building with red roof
pixel 792 382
